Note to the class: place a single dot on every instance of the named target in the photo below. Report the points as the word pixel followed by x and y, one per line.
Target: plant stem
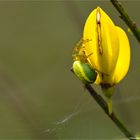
pixel 126 18
pixel 112 116
pixel 102 103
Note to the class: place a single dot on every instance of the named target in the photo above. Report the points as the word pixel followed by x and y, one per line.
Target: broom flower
pixel 108 51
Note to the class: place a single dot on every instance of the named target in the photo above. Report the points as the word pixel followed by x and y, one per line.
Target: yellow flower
pixel 108 51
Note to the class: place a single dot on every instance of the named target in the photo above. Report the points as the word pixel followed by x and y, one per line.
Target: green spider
pixel 80 66
pixel 84 72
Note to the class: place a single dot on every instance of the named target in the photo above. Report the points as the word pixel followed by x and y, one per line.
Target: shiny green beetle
pixel 80 66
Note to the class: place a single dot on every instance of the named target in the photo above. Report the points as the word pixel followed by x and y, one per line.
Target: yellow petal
pixel 123 62
pixel 91 46
pixel 103 49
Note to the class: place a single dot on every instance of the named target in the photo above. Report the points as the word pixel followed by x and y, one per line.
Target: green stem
pixel 112 116
pixel 126 18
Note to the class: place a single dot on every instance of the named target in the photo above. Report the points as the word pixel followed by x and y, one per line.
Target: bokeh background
pixel 39 96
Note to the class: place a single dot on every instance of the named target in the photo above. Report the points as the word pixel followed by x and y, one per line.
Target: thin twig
pixel 103 104
pixel 126 18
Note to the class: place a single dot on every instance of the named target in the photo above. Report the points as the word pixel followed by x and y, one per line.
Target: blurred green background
pixel 39 96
